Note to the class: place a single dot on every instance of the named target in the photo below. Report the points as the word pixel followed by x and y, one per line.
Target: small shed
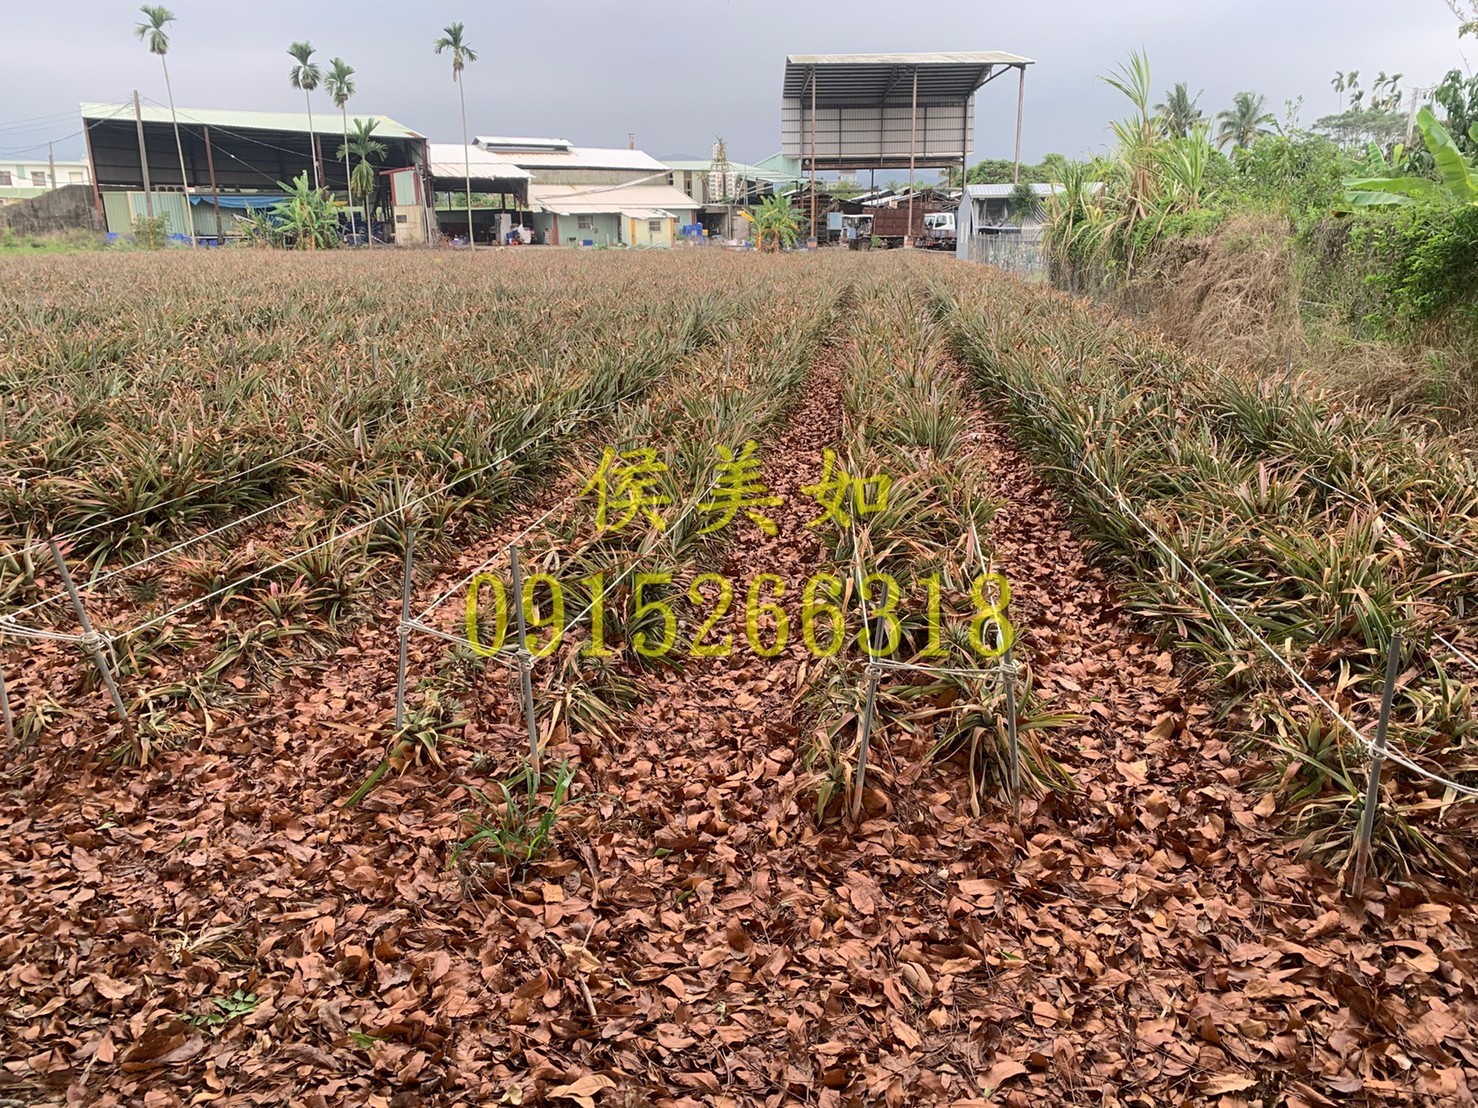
pixel 499 187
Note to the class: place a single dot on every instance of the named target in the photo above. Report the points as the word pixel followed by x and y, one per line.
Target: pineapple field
pixel 589 678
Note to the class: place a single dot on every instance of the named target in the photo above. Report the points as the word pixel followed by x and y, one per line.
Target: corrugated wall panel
pixel 939 132
pixel 116 213
pixel 170 205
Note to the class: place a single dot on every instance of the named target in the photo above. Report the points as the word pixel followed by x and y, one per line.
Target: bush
pixel 1417 264
pixel 1302 175
pixel 151 233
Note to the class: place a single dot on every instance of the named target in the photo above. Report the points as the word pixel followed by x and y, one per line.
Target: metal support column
pixel 814 233
pixel 1008 675
pixel 1020 102
pixel 877 635
pixel 913 126
pixel 5 710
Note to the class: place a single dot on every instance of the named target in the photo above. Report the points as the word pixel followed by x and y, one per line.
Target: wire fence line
pixel 94 582
pixel 500 552
pixel 1400 521
pixel 7 620
pixel 96 643
pixel 1372 747
pixel 1267 648
pixel 112 521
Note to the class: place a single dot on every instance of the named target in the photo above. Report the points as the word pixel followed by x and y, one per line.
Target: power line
pixel 37 145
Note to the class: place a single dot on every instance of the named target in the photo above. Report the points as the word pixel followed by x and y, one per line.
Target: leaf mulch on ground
pixel 215 928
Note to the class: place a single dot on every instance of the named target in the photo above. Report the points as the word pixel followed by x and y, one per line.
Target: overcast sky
pixel 679 72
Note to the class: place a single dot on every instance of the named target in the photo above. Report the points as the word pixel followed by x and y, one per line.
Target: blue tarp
pixel 243 203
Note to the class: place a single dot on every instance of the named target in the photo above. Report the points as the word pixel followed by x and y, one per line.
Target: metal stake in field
pixel 873 672
pixel 92 642
pixel 5 710
pixel 525 659
pixel 1008 675
pixel 1377 760
pixel 405 629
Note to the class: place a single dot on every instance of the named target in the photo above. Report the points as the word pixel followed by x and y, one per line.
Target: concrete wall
pixel 65 209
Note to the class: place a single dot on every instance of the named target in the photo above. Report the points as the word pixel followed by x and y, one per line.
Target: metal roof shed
pixel 234 150
pixel 885 111
pixel 451 162
pixel 888 111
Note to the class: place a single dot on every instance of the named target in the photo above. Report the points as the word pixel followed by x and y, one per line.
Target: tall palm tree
pixel 1247 118
pixel 340 86
pixel 1179 112
pixel 305 76
pixel 364 146
pixel 452 41
pixel 1338 84
pixel 151 30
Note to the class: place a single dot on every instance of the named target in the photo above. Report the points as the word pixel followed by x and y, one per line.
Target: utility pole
pixel 51 160
pixel 138 122
pixel 215 196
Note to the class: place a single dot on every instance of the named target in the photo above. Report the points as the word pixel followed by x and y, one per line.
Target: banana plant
pixel 306 217
pixel 1457 181
pixel 776 223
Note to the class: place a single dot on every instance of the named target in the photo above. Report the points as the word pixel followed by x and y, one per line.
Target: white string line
pixel 194 491
pixel 1399 520
pixel 635 557
pixel 999 672
pixel 93 583
pixel 356 529
pixel 348 533
pixel 503 654
pixel 643 550
pixel 20 632
pixel 110 638
pixel 1392 753
pixel 498 553
pixel 1452 646
pixel 89 586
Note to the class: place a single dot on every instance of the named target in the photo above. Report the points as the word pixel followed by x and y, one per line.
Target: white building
pixel 594 196
pixel 20 180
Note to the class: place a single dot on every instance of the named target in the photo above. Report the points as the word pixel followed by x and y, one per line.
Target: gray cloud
pixel 679 73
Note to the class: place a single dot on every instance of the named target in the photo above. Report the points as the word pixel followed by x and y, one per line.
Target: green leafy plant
pixel 1457 177
pixel 222 1010
pixel 509 831
pixel 776 223
pixel 151 232
pixel 366 150
pixel 306 219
